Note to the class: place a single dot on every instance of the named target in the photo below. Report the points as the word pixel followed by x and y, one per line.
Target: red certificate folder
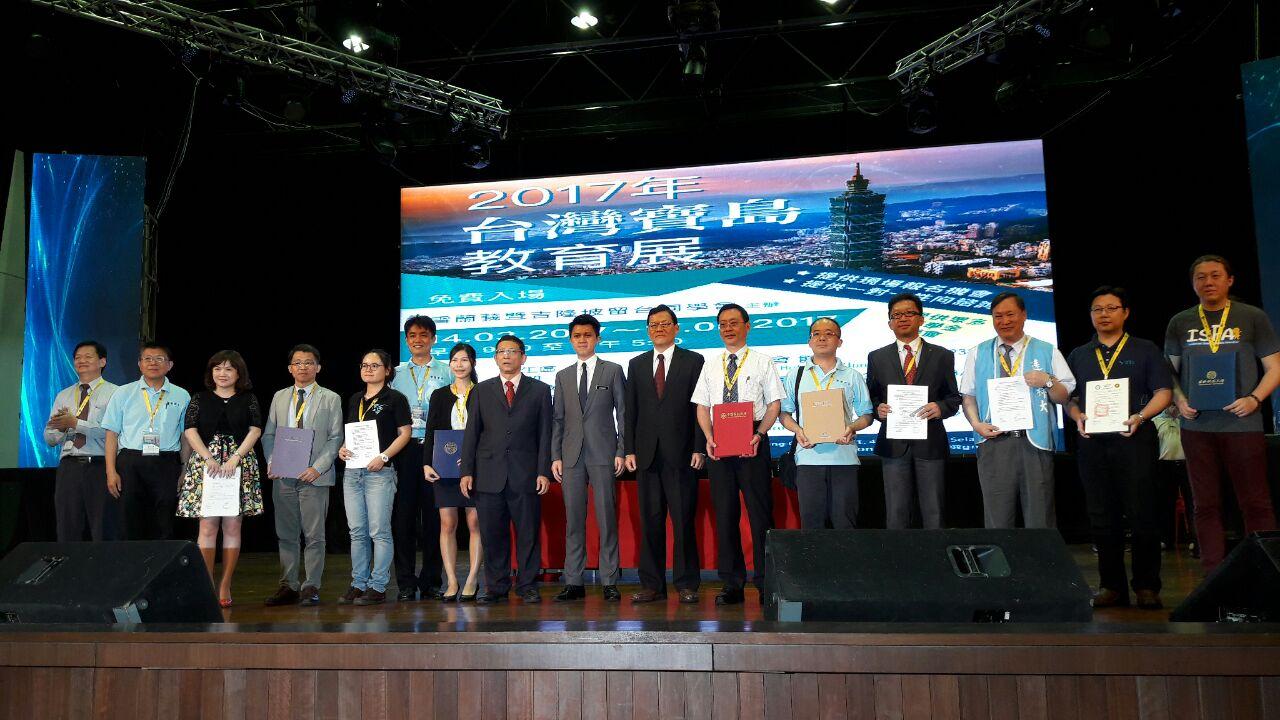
pixel 732 426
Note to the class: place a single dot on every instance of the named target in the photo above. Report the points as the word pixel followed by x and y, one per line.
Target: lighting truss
pixel 973 39
pixel 274 51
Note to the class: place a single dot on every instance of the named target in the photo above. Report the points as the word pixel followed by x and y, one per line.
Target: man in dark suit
pixel 664 447
pixel 913 469
pixel 506 463
pixel 587 451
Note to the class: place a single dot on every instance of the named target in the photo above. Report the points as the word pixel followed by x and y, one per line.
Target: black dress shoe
pixel 486 598
pixel 729 596
pixel 310 596
pixel 284 595
pixel 611 593
pixel 647 595
pixel 433 594
pixel 530 596
pixel 468 598
pixel 406 595
pixel 570 592
pixel 449 598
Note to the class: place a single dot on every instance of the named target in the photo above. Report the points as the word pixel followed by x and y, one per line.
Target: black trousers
pixel 497 511
pixel 1119 483
pixel 752 478
pixel 149 494
pixel 664 488
pixel 827 492
pixel 81 501
pixel 415 503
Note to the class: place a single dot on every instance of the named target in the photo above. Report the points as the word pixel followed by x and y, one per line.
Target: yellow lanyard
pixel 372 405
pixel 830 378
pixel 1017 364
pixel 1106 367
pixel 1215 338
pixel 426 373
pixel 151 411
pixel 729 382
pixel 301 407
pixel 88 394
pixel 460 405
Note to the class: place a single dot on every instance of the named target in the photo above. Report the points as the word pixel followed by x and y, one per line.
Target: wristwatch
pixel 384 457
pixel 1048 384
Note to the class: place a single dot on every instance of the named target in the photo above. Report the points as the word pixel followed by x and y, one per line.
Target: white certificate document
pixel 362 441
pixel 1108 406
pixel 220 495
pixel 904 402
pixel 1009 399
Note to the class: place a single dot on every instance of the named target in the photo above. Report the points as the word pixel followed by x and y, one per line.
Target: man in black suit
pixel 664 447
pixel 913 469
pixel 506 463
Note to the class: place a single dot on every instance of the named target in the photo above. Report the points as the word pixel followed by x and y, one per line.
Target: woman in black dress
pixel 448 411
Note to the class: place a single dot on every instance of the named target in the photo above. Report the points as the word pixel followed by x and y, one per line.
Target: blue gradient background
pixel 84 279
pixel 1261 82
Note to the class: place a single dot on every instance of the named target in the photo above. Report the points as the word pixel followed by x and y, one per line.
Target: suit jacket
pixel 669 425
pixel 936 368
pixel 504 444
pixel 589 435
pixel 323 414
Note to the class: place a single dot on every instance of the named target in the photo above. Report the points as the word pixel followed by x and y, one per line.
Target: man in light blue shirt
pixel 827 470
pixel 80 498
pixel 144 446
pixel 416 379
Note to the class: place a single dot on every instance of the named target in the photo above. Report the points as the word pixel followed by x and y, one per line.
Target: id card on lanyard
pixel 151 439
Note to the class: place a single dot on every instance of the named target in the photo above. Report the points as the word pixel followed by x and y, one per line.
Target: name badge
pixel 415 412
pixel 150 444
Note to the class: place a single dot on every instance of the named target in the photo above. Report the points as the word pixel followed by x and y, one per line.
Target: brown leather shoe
pixel 352 594
pixel 284 595
pixel 1106 597
pixel 688 597
pixel 310 596
pixel 371 597
pixel 647 596
pixel 1149 600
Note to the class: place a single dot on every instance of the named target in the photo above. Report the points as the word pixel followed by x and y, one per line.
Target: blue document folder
pixel 1211 384
pixel 291 454
pixel 446 456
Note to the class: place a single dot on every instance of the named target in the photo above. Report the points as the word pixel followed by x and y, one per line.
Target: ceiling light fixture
pixel 584 20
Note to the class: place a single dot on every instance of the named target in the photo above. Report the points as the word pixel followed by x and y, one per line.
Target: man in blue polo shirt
pixel 144 446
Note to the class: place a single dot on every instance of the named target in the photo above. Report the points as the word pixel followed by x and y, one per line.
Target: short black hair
pixel 509 338
pixel 243 384
pixel 906 297
pixel 1017 299
pixel 662 309
pixel 154 345
pixel 384 357
pixel 97 347
pixel 585 319
pixel 304 348
pixel 833 321
pixel 1119 292
pixel 1211 258
pixel 733 306
pixel 421 321
pixel 471 354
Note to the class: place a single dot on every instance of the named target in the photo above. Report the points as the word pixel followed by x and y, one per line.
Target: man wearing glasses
pixel 302 503
pixel 739 375
pixel 913 469
pixel 664 447
pixel 827 472
pixel 144 446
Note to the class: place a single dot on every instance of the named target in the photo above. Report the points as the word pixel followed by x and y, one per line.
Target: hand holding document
pixel 1009 399
pixel 1108 406
pixel 220 494
pixel 903 422
pixel 361 443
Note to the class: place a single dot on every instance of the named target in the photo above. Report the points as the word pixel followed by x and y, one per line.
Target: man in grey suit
pixel 586 448
pixel 302 503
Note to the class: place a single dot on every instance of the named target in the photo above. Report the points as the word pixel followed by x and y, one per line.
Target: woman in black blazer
pixel 447 410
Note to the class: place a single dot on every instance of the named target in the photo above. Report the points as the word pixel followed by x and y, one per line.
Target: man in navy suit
pixel 506 466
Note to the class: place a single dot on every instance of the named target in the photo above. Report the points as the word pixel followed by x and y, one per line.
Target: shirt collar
pixel 823 373
pixel 1020 343
pixel 740 352
pixel 915 345
pixel 142 381
pixel 591 361
pixel 309 389
pixel 515 381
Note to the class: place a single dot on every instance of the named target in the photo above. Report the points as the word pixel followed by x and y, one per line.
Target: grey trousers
pixel 603 492
pixel 827 491
pixel 300 509
pixel 908 479
pixel 1013 473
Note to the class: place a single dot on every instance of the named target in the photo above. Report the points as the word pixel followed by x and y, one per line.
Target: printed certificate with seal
pixel 1107 406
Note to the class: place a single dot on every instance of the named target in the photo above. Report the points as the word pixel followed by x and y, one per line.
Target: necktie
pixel 1007 351
pixel 78 439
pixel 582 389
pixel 511 394
pixel 909 366
pixel 660 377
pixel 302 398
pixel 731 392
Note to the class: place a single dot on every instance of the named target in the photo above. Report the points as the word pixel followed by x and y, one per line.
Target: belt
pixel 84 459
pixel 163 454
pixel 1010 433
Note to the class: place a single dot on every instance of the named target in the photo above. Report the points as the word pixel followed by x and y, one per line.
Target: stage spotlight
pixel 694 56
pixel 922 110
pixel 475 154
pixel 295 109
pixel 355 43
pixel 584 20
pixel 690 18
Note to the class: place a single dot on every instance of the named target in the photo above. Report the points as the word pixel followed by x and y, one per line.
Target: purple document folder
pixel 292 452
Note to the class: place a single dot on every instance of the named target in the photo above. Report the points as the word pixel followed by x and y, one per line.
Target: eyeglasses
pixel 824 334
pixel 1106 310
pixel 158 359
pixel 660 325
pixel 729 324
pixel 507 352
pixel 302 364
pixel 903 315
pixel 370 366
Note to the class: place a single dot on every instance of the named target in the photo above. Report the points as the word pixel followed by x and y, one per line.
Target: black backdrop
pixel 261 247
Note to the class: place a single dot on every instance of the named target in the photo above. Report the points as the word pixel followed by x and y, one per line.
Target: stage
pixel 593 659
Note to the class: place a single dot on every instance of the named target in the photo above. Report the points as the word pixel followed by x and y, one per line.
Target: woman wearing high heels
pixel 448 411
pixel 223 423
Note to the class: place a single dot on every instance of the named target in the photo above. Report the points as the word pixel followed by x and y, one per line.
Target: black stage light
pixel 922 110
pixel 475 154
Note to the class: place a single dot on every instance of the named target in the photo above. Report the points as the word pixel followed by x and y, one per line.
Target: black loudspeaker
pixel 106 582
pixel 923 576
pixel 1244 588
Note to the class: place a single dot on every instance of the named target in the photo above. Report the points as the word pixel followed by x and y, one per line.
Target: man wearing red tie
pixel 913 469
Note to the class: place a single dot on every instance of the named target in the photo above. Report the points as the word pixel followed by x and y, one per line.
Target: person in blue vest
pixel 1015 467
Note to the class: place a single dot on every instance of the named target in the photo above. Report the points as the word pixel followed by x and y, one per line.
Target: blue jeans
pixel 368 497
